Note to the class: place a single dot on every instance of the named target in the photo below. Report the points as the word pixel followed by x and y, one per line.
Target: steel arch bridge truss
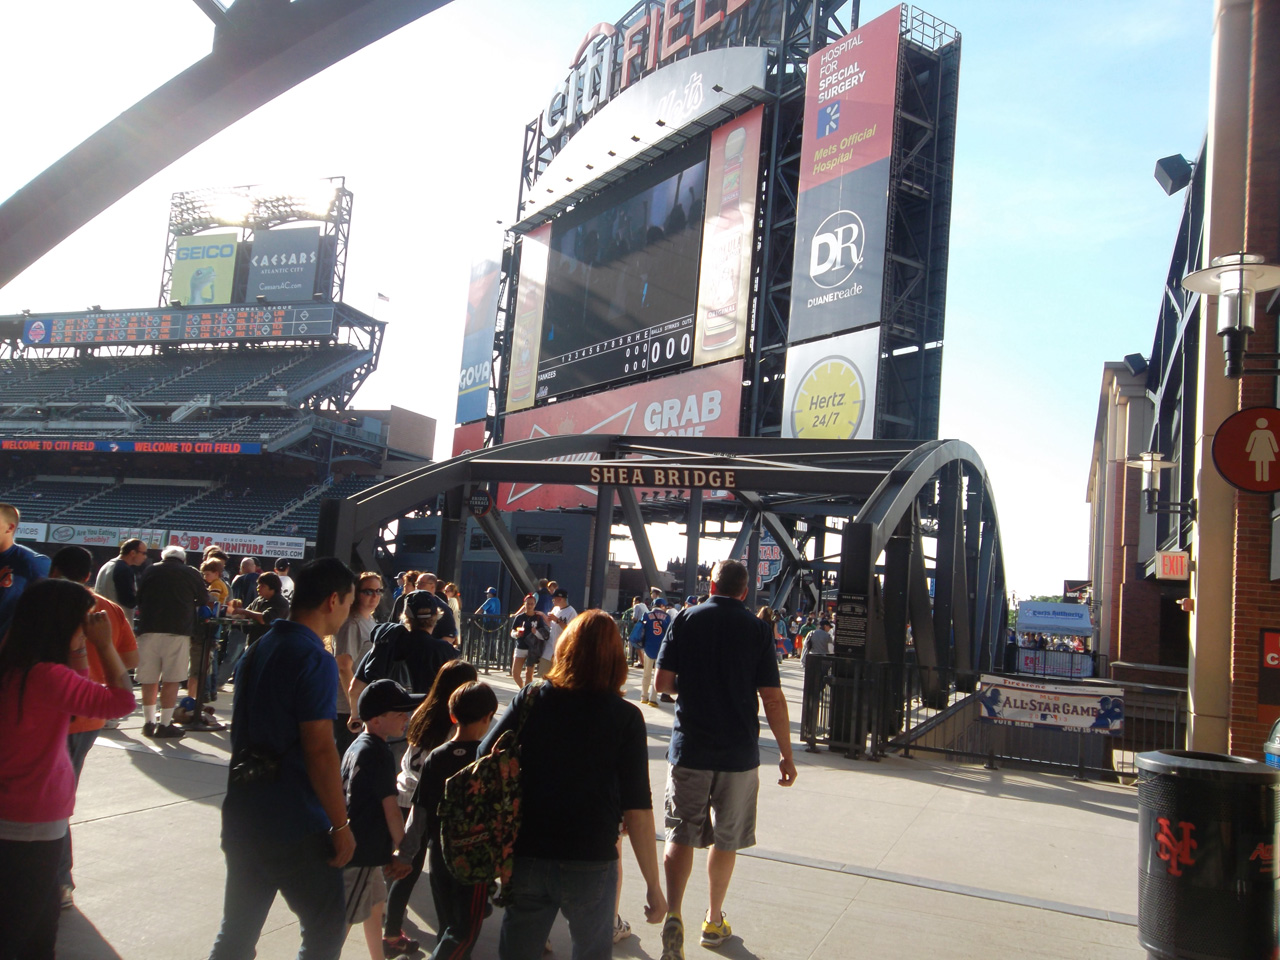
pixel 900 498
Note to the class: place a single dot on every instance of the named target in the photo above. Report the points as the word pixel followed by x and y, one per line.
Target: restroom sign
pixel 1246 449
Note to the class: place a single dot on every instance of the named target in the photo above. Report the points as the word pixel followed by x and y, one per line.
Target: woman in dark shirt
pixel 584 767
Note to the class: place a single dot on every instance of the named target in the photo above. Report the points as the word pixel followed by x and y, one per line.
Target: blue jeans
pixel 229 662
pixel 256 872
pixel 583 890
pixel 78 745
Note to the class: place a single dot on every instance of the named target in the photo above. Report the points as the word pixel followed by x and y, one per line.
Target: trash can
pixel 1207 831
pixel 1272 747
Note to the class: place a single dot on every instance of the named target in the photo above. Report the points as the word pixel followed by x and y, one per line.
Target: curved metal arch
pixel 260 50
pixel 885 480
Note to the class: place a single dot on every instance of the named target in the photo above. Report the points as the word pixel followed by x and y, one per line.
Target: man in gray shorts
pixel 717 657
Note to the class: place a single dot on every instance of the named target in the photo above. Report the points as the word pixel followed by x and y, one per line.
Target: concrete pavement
pixel 896 859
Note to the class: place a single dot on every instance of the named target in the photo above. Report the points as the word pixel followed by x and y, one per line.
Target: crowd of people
pixel 345 731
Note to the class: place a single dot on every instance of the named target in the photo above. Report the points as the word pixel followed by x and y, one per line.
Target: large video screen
pixel 622 282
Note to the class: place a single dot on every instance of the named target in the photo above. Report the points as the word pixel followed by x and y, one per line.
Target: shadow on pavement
pixel 79 938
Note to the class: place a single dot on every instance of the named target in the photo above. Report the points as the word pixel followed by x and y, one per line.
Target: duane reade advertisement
pixel 837 281
pixel 282 267
pixel 831 388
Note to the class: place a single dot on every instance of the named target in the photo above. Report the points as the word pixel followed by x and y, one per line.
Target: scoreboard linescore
pixel 140 326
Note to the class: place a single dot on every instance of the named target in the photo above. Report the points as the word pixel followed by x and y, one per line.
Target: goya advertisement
pixel 477 343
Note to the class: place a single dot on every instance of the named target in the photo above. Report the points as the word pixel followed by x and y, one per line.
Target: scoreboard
pixel 244 322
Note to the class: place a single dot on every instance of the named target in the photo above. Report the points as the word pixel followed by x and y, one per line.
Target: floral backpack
pixel 480 812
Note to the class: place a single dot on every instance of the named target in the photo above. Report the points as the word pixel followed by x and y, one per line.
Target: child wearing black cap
pixel 460 909
pixel 373 809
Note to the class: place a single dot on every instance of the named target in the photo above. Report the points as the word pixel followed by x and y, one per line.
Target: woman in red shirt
pixel 44 682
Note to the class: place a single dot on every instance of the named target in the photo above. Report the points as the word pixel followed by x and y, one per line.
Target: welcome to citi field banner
pixel 204 267
pixel 842 211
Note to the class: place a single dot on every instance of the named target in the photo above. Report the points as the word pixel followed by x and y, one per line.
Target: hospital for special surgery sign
pixel 1059 707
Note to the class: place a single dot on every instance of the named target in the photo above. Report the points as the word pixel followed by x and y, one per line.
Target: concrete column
pixel 1212 581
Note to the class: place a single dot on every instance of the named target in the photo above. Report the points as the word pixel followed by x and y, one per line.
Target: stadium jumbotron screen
pixel 622 281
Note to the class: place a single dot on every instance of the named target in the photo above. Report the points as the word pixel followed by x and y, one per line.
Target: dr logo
pixel 837 249
pixel 1174 849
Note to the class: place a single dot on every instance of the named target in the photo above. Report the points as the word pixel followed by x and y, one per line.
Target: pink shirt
pixel 37 783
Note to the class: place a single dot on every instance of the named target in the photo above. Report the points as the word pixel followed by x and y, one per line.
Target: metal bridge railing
pixel 866 710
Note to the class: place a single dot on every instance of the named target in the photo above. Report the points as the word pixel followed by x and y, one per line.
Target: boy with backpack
pixel 373 811
pixel 460 908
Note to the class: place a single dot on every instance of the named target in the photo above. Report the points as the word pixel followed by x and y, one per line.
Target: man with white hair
pixel 168 597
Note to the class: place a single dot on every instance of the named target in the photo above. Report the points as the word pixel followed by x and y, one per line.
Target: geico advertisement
pixel 204 267
pixel 700 403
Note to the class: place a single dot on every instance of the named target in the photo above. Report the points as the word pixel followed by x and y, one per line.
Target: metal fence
pixel 866 710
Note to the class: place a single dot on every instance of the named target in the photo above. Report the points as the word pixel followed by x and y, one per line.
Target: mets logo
pixel 6 578
pixel 1174 849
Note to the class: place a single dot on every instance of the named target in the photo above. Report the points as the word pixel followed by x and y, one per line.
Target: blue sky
pixel 1060 237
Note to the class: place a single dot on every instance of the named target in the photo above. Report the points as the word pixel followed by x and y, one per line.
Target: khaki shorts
pixel 364 888
pixel 711 806
pixel 162 656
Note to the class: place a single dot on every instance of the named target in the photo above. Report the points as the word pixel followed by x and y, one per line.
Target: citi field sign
pixel 613 56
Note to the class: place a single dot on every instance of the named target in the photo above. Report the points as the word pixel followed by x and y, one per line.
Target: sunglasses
pixel 370 593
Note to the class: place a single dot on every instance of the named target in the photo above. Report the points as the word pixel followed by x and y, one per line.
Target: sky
pixel 1060 236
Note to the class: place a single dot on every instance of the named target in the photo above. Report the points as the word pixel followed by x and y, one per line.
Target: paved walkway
pixel 895 859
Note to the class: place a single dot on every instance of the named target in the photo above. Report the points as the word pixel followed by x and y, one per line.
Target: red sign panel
pixel 1245 449
pixel 468 437
pixel 701 403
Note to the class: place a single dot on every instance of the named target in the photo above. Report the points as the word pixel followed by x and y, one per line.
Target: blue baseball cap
pixel 660 602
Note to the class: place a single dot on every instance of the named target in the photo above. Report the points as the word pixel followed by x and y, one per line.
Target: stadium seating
pixel 303 520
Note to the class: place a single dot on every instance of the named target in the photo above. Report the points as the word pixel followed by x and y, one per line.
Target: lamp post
pixel 1236 279
pixel 1152 463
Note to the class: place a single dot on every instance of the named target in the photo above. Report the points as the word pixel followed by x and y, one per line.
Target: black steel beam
pixel 264 50
pixel 600 544
pixel 639 534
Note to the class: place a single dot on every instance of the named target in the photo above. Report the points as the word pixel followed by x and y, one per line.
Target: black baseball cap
pixel 386 696
pixel 421 603
pixel 561 593
pixel 824 622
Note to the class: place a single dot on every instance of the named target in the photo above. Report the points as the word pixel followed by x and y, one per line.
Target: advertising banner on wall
pixel 477 343
pixel 700 403
pixel 535 252
pixel 842 208
pixel 831 388
pixel 93 536
pixel 240 544
pixel 1059 707
pixel 282 267
pixel 204 267
pixel 724 281
pixel 32 532
pixel 468 437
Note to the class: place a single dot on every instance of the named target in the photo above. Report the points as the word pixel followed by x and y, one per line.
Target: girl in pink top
pixel 44 683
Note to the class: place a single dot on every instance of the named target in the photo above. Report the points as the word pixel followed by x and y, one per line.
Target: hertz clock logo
pixel 830 401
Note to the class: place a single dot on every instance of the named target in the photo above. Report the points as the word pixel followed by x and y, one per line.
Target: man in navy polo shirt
pixel 284 819
pixel 719 658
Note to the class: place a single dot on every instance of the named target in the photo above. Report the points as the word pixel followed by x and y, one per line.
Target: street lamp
pixel 1235 279
pixel 1151 463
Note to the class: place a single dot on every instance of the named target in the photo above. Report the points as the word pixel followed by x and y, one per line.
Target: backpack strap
pixel 525 706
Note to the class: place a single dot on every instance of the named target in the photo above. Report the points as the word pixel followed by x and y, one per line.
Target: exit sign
pixel 1173 565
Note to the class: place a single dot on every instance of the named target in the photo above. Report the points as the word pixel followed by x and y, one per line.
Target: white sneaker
pixel 621 930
